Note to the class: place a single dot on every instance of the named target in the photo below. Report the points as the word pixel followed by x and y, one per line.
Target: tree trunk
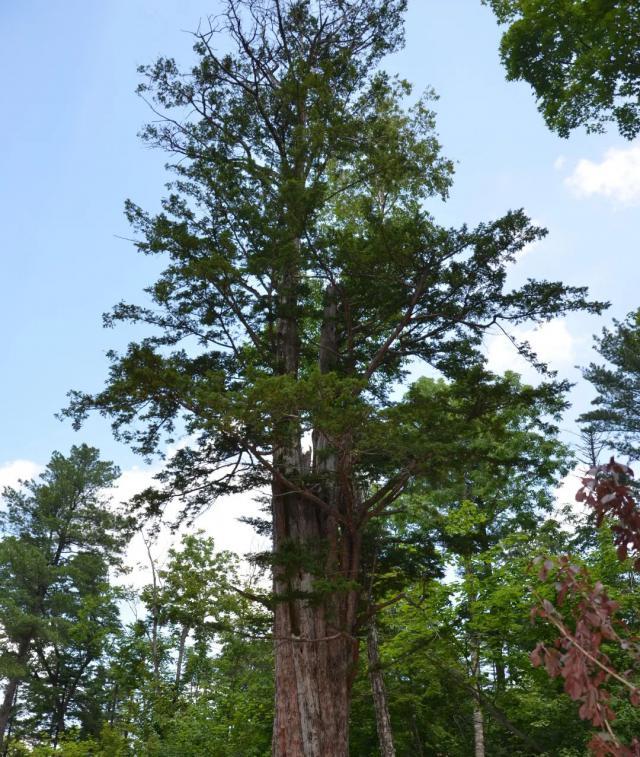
pixel 11 689
pixel 313 685
pixel 478 729
pixel 478 716
pixel 380 704
pixel 4 745
pixel 183 640
pixel 501 675
pixel 417 740
pixel 7 705
pixel 58 720
pixel 113 705
pixel 315 650
pixel 58 727
pixel 155 616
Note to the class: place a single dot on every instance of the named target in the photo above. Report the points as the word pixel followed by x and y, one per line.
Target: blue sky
pixel 71 157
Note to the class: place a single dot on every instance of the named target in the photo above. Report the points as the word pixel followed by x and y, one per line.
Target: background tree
pixel 230 711
pixel 304 273
pixel 397 553
pixel 59 539
pixel 197 594
pixel 580 57
pixel 81 622
pixel 617 384
pixel 485 514
pixel 223 703
pixel 132 694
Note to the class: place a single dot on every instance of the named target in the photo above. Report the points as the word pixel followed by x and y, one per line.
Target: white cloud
pixel 565 495
pixel 11 473
pixel 566 490
pixel 132 481
pixel 616 176
pixel 220 522
pixel 531 246
pixel 559 162
pixel 552 342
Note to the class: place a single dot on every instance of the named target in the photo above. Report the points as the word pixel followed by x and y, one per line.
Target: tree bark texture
pixel 315 653
pixel 7 705
pixel 378 690
pixel 4 747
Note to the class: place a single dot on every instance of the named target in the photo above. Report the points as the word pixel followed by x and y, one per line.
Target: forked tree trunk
pixel 378 690
pixel 11 688
pixel 315 650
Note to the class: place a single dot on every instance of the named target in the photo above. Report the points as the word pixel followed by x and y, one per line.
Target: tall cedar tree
pixel 304 274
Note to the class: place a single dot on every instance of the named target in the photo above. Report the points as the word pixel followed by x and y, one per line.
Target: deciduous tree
pixel 580 57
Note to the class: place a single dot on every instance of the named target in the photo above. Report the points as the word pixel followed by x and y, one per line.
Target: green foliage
pixel 304 275
pixel 205 685
pixel 617 384
pixel 484 521
pixel 67 509
pixel 426 662
pixel 580 57
pixel 233 716
pixel 196 586
pixel 274 205
pixel 57 610
pixel 108 743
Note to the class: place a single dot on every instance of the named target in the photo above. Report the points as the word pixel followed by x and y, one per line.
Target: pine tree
pixel 617 383
pixel 59 539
